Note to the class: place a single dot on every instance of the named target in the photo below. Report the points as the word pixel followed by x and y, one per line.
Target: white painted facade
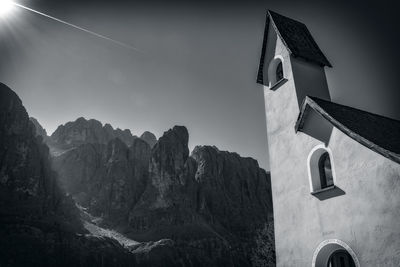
pixel 361 215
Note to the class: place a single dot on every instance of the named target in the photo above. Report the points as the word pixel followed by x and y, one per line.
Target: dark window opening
pixel 341 258
pixel 279 72
pixel 325 171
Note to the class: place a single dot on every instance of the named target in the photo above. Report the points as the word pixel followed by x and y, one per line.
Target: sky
pixel 196 65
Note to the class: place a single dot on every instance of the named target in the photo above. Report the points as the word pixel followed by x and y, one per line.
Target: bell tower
pixel 291 68
pixel 289 53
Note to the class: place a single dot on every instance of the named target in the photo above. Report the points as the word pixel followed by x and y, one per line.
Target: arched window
pixel 320 169
pixel 279 71
pixel 334 253
pixel 276 74
pixel 325 170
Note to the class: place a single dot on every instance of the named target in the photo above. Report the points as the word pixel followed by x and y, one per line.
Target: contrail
pixel 79 28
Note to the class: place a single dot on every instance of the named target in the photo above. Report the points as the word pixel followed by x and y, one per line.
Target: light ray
pixel 79 28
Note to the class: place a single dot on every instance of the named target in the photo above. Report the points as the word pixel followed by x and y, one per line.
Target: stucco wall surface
pixel 366 216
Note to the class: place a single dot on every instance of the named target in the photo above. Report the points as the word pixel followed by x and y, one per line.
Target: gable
pixel 297 39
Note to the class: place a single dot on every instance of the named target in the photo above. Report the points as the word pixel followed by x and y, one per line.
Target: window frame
pixel 273 82
pixel 325 180
pixel 314 173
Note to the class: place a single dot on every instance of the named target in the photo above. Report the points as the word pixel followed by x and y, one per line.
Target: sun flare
pixel 5 7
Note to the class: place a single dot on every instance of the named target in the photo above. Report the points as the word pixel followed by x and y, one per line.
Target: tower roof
pixel 378 133
pixel 297 39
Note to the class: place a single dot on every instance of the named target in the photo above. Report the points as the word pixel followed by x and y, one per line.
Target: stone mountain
pixel 39 224
pixel 175 209
pixel 82 131
pixel 210 204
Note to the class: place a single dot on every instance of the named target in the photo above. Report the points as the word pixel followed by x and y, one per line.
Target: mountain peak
pixel 91 131
pixel 149 137
pixel 7 94
pixel 15 119
pixel 182 130
pixel 81 119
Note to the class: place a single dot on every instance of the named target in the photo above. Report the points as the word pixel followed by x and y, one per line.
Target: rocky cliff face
pixel 200 209
pixel 39 224
pixel 209 205
pixel 107 179
pixel 39 130
pixel 213 201
pixel 27 183
pixel 233 191
pixel 167 164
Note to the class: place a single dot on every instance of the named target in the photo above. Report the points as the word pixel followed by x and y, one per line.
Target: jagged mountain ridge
pixel 83 131
pixel 106 179
pixel 39 224
pixel 208 206
pixel 211 200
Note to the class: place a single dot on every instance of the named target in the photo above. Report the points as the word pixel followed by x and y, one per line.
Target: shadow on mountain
pixel 169 208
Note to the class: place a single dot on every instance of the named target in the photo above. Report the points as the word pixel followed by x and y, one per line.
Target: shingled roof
pixel 297 39
pixel 378 133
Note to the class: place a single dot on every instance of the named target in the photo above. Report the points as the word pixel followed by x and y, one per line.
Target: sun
pixel 5 7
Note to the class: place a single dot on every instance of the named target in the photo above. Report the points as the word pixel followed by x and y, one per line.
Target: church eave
pixel 309 104
pixel 260 75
